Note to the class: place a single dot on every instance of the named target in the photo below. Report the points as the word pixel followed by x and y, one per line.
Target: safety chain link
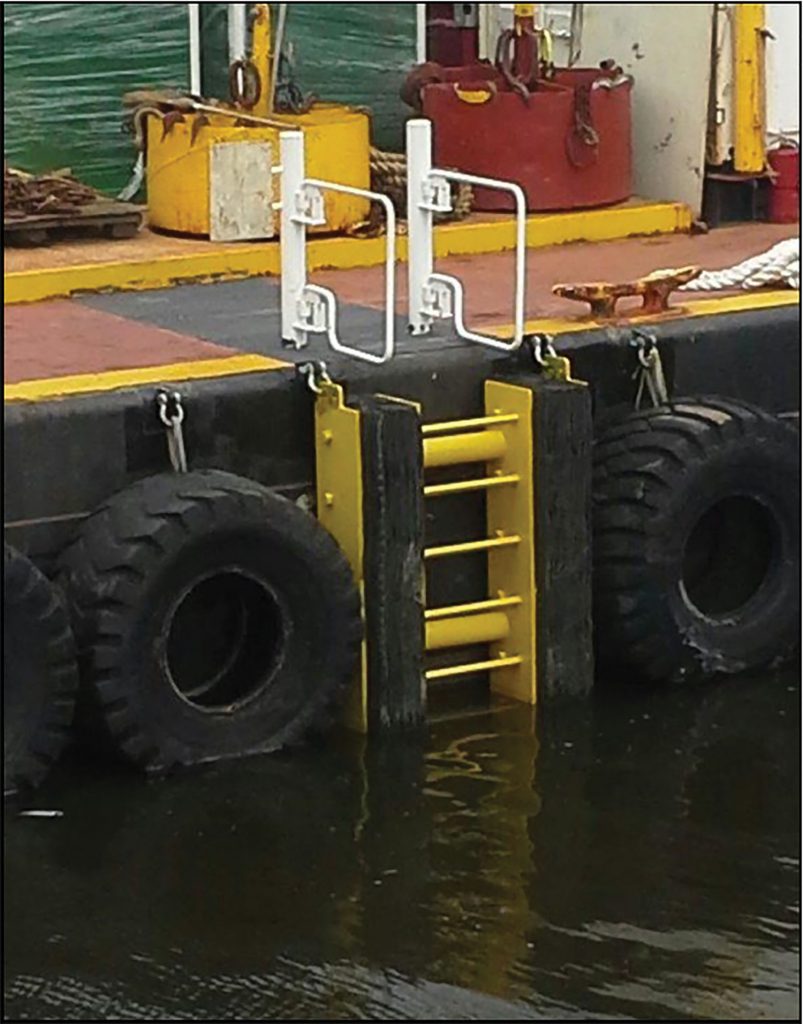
pixel 650 371
pixel 171 415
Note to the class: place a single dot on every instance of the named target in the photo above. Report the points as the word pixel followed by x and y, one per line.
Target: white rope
pixel 779 265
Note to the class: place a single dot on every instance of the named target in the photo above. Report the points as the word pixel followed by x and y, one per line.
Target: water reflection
pixel 637 856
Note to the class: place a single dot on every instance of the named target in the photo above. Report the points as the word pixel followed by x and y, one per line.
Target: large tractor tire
pixel 40 677
pixel 214 619
pixel 696 538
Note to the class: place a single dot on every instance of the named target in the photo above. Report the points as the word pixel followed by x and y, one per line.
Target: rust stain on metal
pixel 654 291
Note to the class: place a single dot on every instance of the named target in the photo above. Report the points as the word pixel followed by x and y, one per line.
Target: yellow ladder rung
pixel 471 668
pixel 450 611
pixel 449 426
pixel 464 486
pixel 471 545
pixel 475 446
pixel 467 630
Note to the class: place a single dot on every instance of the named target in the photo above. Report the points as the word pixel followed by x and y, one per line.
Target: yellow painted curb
pixel 88 383
pixel 696 308
pixel 252 260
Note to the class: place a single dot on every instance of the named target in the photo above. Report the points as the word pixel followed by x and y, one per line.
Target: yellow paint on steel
pixel 462 631
pixel 449 426
pixel 512 570
pixel 113 380
pixel 238 260
pixel 337 149
pixel 749 88
pixel 717 306
pixel 470 546
pixel 480 446
pixel 452 610
pixel 485 483
pixel 492 665
pixel 338 480
pixel 261 56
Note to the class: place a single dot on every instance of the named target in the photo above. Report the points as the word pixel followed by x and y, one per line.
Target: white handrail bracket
pixel 440 296
pixel 310 308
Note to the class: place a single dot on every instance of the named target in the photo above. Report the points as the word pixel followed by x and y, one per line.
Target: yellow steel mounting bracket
pixel 560 368
pixel 338 473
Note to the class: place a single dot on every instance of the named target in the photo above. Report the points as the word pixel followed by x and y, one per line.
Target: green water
pixel 635 856
pixel 66 67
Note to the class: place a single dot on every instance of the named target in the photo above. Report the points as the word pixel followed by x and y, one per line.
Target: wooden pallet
pixel 105 218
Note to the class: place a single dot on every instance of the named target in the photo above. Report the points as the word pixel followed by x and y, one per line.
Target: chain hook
pixel 543 349
pixel 171 415
pixel 315 374
pixel 650 371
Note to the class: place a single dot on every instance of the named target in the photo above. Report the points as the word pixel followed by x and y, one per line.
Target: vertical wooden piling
pixel 563 437
pixel 394 529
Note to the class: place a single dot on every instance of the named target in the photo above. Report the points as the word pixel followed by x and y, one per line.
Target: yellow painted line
pixel 110 380
pixel 696 308
pixel 239 261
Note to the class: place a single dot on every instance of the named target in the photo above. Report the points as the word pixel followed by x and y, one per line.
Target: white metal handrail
pixel 310 308
pixel 441 296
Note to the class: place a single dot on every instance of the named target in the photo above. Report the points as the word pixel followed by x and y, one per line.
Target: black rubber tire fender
pixel 214 619
pixel 696 534
pixel 40 675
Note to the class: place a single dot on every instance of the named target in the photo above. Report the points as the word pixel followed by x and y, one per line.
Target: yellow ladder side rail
pixel 511 510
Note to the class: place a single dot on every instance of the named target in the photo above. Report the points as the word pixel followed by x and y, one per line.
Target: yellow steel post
pixel 749 88
pixel 511 570
pixel 338 471
pixel 261 56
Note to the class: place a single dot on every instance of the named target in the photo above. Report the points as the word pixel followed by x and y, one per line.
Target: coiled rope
pixel 779 265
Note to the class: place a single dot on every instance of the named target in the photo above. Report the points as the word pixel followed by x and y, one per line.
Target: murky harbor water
pixel 635 857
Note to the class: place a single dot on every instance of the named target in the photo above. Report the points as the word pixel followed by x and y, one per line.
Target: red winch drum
pixel 567 142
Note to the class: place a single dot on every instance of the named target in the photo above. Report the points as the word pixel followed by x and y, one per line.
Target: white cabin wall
pixel 783 72
pixel 667 50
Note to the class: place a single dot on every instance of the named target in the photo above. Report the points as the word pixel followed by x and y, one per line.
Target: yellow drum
pixel 178 165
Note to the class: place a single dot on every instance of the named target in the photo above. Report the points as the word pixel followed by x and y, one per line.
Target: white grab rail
pixel 440 296
pixel 310 308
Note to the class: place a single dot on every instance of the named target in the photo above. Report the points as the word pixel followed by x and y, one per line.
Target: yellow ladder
pixel 501 440
pixel 505 620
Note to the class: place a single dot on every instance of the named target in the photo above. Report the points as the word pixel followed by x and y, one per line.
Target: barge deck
pixel 101 342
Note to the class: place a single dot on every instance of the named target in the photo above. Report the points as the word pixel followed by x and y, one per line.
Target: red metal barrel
pixel 568 144
pixel 784 202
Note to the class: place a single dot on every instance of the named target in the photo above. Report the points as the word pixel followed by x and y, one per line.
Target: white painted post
pixel 293 241
pixel 194 16
pixel 419 220
pixel 237 32
pixel 420 33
